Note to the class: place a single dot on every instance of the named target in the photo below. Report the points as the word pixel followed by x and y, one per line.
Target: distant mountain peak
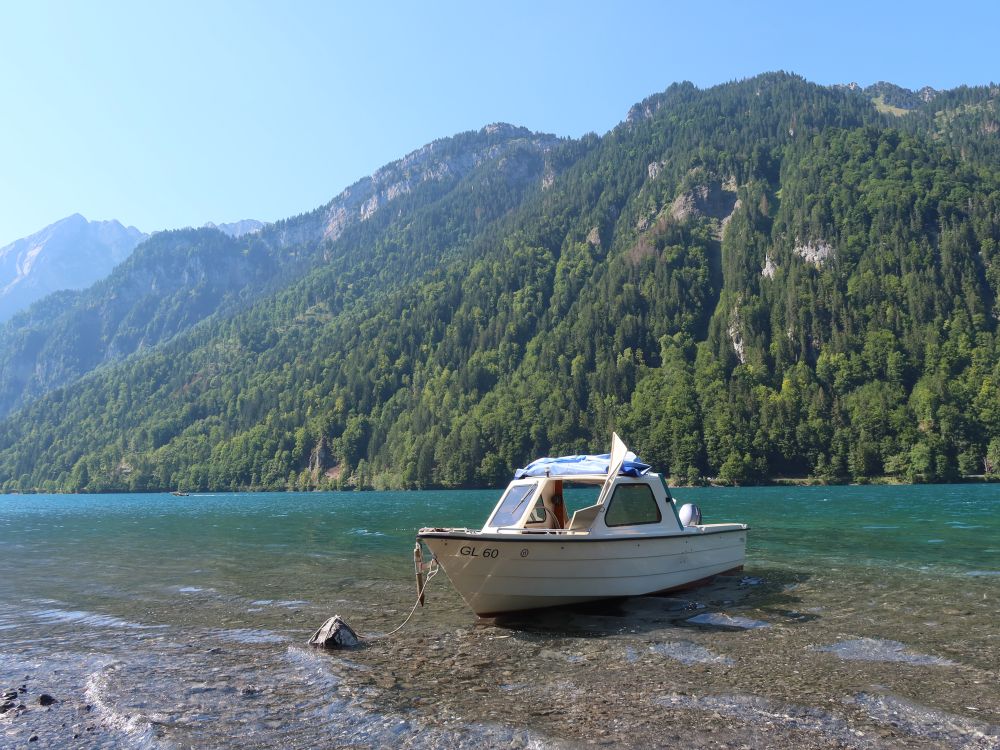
pixel 71 253
pixel 927 93
pixel 505 128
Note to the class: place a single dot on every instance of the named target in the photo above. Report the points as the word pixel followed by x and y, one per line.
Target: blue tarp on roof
pixel 569 465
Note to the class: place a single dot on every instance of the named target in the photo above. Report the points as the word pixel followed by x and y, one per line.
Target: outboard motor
pixel 690 514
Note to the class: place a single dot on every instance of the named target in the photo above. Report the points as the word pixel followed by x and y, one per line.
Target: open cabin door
pixel 618 453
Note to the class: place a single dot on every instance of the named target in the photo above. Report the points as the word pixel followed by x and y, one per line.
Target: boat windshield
pixel 512 506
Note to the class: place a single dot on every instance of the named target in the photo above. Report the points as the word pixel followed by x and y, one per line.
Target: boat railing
pixel 521 530
pixel 448 529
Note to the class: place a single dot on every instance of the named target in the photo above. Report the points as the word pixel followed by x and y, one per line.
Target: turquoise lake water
pixel 180 621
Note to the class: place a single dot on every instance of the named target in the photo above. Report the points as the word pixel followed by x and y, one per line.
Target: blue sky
pixel 170 114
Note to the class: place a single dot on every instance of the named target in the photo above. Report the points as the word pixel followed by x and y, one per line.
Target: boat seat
pixel 583 518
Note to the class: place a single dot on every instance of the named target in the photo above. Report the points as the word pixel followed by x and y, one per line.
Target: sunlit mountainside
pixel 762 278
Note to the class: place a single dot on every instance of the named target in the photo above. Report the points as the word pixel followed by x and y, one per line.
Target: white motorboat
pixel 632 540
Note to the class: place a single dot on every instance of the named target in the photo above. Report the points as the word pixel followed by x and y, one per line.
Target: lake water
pixel 865 617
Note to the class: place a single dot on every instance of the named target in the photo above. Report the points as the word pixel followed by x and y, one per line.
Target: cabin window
pixel 632 504
pixel 537 514
pixel 512 505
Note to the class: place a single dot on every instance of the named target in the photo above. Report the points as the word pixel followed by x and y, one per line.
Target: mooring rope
pixel 432 570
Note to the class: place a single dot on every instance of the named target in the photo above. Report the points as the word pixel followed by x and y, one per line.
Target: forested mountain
pixel 764 277
pixel 176 279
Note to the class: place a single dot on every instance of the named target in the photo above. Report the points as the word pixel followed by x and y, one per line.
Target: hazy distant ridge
pixel 71 254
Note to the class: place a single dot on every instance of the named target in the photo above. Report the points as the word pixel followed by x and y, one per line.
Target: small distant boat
pixel 178 493
pixel 633 540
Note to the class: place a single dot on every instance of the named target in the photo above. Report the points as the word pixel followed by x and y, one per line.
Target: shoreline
pixel 709 483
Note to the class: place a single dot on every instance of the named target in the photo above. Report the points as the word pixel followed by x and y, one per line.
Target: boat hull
pixel 499 573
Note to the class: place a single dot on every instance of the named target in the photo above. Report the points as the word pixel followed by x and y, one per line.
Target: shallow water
pixel 865 617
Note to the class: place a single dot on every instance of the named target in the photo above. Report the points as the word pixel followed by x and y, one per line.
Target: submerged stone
pixel 930 723
pixel 688 653
pixel 760 712
pixel 721 620
pixel 874 649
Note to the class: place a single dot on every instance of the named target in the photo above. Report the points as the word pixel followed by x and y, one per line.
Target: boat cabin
pixel 621 505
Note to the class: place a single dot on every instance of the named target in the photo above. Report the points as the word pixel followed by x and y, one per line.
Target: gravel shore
pixel 748 662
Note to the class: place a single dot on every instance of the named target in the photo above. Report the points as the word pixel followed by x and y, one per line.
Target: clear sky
pixel 170 114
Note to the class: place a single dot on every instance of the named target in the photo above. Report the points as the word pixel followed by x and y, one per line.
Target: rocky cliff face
pixel 238 228
pixel 70 254
pixel 445 159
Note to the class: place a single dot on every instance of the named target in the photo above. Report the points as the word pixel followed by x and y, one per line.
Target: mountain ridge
pixel 237 229
pixel 763 277
pixel 158 284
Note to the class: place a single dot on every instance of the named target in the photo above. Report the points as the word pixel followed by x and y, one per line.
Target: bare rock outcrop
pixel 436 161
pixel 770 268
pixel 736 335
pixel 319 459
pixel 713 198
pixel 727 219
pixel 816 253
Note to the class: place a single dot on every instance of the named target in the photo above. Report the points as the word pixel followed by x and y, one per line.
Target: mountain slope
pixel 70 254
pixel 176 279
pixel 763 277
